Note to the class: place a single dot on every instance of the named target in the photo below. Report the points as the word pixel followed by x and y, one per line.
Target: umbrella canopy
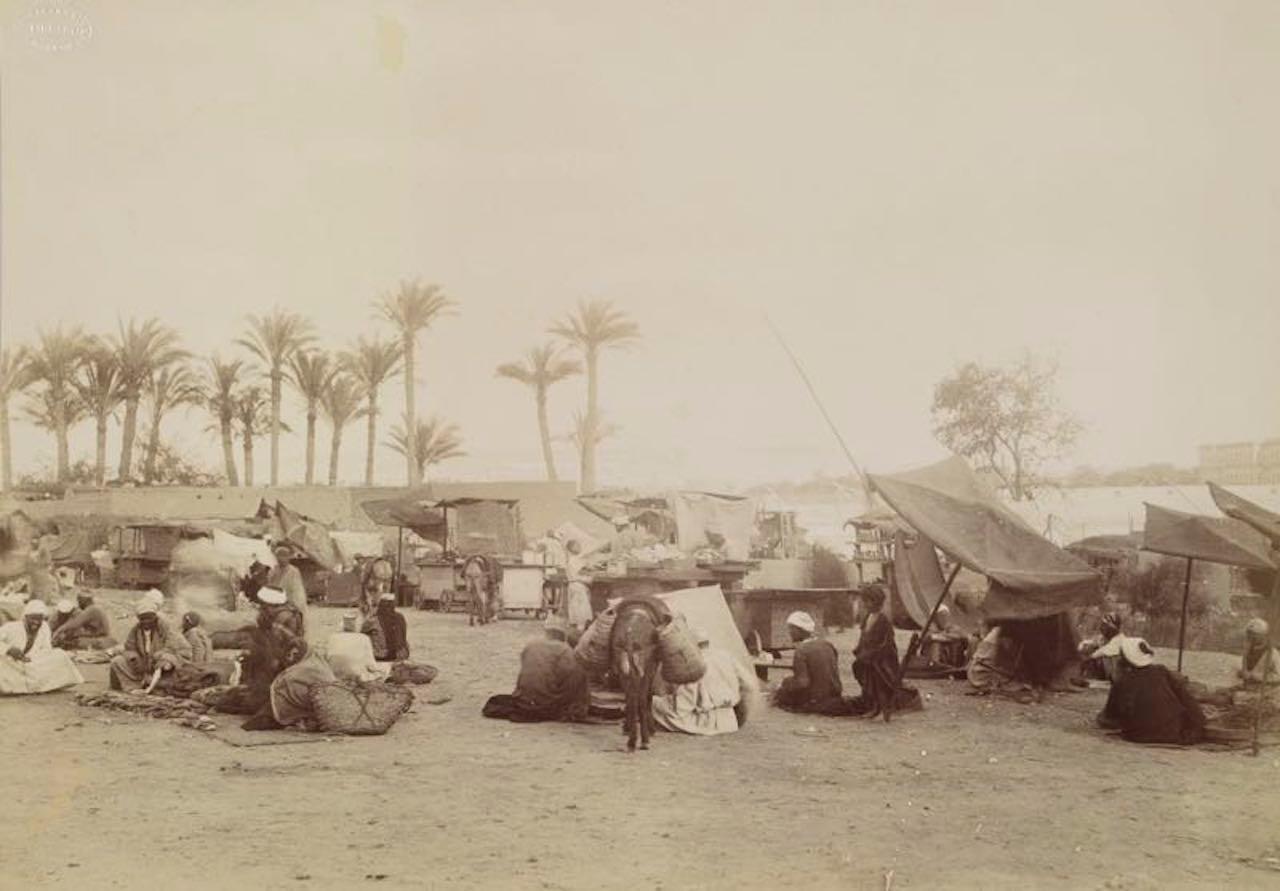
pixel 1031 576
pixel 1257 516
pixel 1198 537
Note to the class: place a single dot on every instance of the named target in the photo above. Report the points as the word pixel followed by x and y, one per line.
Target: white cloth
pixel 705 707
pixel 350 655
pixel 46 668
pixel 578 605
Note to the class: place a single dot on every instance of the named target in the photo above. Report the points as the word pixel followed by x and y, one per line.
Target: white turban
pixel 144 606
pixel 156 596
pixel 1257 627
pixel 802 620
pixel 35 608
pixel 66 606
pixel 273 596
pixel 387 595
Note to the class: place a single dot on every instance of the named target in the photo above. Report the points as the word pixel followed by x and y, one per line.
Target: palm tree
pixel 170 388
pixel 253 413
pixel 542 367
pixel 583 433
pixel 596 326
pixel 430 443
pixel 53 365
pixel 310 373
pixel 340 403
pixel 98 386
pixel 372 363
pixel 221 398
pixel 274 339
pixel 142 350
pixel 14 378
pixel 411 310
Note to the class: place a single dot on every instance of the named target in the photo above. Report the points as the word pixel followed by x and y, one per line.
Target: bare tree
pixel 542 367
pixel 1006 420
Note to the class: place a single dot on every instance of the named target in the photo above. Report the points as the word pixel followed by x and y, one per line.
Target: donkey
pixel 636 659
pixel 479 574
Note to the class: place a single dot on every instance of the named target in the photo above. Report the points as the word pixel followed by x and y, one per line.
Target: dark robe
pixel 1153 705
pixel 388 631
pixel 875 667
pixel 552 686
pixel 814 685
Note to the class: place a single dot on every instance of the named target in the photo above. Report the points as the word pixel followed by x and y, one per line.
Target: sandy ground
pixel 971 793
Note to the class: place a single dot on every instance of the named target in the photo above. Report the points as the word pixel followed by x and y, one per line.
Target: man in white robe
pixel 350 653
pixel 29 663
pixel 712 705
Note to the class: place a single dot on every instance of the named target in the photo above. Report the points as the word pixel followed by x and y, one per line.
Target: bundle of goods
pixel 415 673
pixel 355 709
pixel 182 711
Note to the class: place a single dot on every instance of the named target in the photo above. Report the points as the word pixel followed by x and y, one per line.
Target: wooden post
pixel 1182 629
pixel 911 650
pixel 395 582
pixel 1266 673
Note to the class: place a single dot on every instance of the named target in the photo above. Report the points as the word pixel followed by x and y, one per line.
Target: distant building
pixel 1241 463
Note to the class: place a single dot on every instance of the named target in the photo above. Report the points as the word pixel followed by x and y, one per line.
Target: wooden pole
pixel 1182 628
pixel 911 650
pixel 395 582
pixel 1266 674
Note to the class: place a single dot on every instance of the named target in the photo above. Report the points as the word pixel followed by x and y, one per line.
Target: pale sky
pixel 902 186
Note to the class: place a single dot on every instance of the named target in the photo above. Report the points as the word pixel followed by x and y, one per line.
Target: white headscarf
pixel 802 620
pixel 35 608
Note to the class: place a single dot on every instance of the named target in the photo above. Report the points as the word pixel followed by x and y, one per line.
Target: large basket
pixel 593 647
pixel 682 661
pixel 354 709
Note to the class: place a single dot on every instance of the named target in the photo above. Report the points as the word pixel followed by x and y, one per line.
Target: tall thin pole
pixel 911 650
pixel 1182 629
pixel 821 408
pixel 395 584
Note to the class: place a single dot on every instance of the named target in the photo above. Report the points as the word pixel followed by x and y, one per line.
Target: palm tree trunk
pixel 544 432
pixel 335 446
pixel 587 483
pixel 228 455
pixel 127 436
pixel 248 459
pixel 311 443
pixel 410 410
pixel 6 460
pixel 100 475
pixel 153 449
pixel 372 441
pixel 276 382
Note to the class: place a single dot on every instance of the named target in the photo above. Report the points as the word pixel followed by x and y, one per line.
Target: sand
pixel 971 793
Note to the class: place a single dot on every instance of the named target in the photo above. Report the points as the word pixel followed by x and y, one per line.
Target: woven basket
pixel 593 647
pixel 354 709
pixel 682 661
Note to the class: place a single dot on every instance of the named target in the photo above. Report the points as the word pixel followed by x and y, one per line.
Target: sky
pixel 900 187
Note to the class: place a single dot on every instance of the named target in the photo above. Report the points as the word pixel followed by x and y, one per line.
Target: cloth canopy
pixel 480 525
pixel 918 581
pixel 1198 537
pixel 1257 516
pixel 697 513
pixel 307 536
pixel 1030 576
pixel 421 515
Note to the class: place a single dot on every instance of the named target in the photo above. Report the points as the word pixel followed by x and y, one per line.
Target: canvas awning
pixel 1244 510
pixel 423 516
pixel 1199 537
pixel 307 536
pixel 1030 576
pixel 918 581
pixel 480 526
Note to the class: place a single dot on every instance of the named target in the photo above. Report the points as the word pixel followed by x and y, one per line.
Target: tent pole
pixel 1266 675
pixel 911 650
pixel 395 583
pixel 1182 628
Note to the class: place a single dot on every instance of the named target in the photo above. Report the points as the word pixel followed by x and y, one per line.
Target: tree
pixel 431 443
pixel 585 433
pixel 98 387
pixel 310 373
pixel 273 339
pixel 53 366
pixel 372 363
pixel 340 403
pixel 141 350
pixel 14 378
pixel 221 398
pixel 542 366
pixel 253 411
pixel 596 326
pixel 170 388
pixel 413 309
pixel 1006 420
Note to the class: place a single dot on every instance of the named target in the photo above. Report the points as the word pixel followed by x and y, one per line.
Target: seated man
pixel 88 628
pixel 1102 654
pixel 552 685
pixel 814 685
pixel 1149 703
pixel 151 649
pixel 28 661
pixel 1260 662
pixel 875 662
pixel 714 704
pixel 388 631
pixel 350 653
pixel 995 665
pixel 279 617
pixel 289 701
pixel 199 640
pixel 944 652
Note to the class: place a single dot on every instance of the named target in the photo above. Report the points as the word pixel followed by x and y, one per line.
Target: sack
pixel 355 709
pixel 682 661
pixel 412 673
pixel 593 647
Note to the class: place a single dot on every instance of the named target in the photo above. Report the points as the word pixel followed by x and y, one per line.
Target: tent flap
pixel 918 581
pixel 1199 537
pixel 1257 516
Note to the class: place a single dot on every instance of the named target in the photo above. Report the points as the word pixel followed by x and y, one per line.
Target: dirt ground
pixel 971 793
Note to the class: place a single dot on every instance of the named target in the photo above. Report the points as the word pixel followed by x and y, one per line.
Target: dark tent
pixel 1030 577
